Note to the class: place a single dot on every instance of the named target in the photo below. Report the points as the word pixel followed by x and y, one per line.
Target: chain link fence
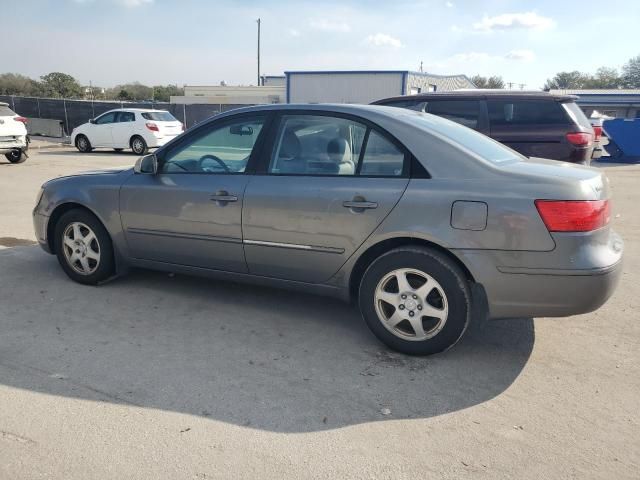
pixel 73 113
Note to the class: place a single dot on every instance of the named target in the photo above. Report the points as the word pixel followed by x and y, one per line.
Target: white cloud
pixel 471 56
pixel 449 4
pixel 507 21
pixel 294 33
pixel 329 25
pixel 383 40
pixel 523 55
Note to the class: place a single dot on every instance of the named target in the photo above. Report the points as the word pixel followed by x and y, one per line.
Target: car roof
pixel 484 93
pixel 139 110
pixel 3 104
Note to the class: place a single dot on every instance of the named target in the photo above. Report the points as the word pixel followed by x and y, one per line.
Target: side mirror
pixel 93 120
pixel 146 165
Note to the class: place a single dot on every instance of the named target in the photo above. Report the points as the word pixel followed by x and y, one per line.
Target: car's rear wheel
pixel 83 247
pixel 16 156
pixel 83 144
pixel 138 145
pixel 415 300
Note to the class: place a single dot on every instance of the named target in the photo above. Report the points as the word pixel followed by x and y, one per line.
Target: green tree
pixel 123 95
pixel 16 84
pixel 60 85
pixel 162 93
pixel 631 73
pixel 491 82
pixel 567 80
pixel 604 78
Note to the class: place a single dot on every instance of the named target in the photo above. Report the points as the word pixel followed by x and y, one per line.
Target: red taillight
pixel 152 126
pixel 574 215
pixel 580 139
pixel 21 119
pixel 597 133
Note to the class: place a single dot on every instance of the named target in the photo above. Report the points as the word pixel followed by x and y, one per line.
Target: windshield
pixel 467 138
pixel 159 116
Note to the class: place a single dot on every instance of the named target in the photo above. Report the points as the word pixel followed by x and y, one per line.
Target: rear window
pixel 6 111
pixel 576 114
pixel 510 112
pixel 467 138
pixel 159 116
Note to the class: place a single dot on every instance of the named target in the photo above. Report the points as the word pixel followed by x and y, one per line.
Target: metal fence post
pixel 66 119
pixel 13 103
pixel 184 115
pixel 39 114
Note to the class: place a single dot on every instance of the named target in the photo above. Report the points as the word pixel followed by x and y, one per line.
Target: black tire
pixel 450 278
pixel 106 265
pixel 83 144
pixel 16 156
pixel 118 149
pixel 138 145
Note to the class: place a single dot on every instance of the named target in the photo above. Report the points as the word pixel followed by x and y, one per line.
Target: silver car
pixel 421 221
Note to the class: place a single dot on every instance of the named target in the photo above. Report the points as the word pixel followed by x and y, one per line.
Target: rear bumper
pixel 159 141
pixel 577 277
pixel 20 144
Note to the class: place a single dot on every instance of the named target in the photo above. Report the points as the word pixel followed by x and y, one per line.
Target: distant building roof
pixel 601 91
pixel 612 97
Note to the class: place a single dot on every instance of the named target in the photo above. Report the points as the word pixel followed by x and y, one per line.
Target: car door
pixel 190 212
pixel 327 182
pixel 534 128
pixel 122 129
pixel 100 131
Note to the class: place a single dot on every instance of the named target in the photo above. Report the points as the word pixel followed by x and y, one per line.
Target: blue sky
pixel 204 42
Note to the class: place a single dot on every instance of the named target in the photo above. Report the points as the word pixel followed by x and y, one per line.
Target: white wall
pixel 343 87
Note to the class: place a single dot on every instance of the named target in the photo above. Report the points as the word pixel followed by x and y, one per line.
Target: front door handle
pixel 222 197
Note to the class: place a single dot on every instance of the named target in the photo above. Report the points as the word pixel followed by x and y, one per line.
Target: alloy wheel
pixel 411 304
pixel 81 248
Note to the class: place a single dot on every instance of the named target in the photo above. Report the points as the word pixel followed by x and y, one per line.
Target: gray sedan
pixel 419 220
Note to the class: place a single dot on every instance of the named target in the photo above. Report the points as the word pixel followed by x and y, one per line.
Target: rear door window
pixel 464 112
pixel 125 117
pixel 525 112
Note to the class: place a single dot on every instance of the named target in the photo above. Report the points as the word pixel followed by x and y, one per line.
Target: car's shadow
pixel 71 150
pixel 246 355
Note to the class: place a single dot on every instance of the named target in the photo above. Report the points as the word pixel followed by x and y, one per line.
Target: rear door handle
pixel 223 197
pixel 358 204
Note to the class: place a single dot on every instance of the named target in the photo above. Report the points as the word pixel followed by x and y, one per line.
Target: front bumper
pixel 40 224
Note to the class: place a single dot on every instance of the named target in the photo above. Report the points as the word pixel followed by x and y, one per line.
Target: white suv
pixel 135 128
pixel 13 135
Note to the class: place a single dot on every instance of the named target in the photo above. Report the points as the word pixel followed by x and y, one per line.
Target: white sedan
pixel 135 128
pixel 13 135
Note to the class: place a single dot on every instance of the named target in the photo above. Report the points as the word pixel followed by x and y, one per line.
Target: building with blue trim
pixel 365 86
pixel 616 103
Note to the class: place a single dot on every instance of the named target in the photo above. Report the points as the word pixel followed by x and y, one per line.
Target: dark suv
pixel 536 124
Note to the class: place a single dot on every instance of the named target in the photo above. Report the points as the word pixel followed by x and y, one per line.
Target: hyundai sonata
pixel 418 219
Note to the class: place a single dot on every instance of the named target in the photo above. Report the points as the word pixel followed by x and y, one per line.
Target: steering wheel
pixel 215 159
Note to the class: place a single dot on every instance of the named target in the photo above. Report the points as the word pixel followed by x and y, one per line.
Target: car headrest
pixel 290 147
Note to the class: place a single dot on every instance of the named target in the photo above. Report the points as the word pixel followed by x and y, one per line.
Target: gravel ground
pixel 157 376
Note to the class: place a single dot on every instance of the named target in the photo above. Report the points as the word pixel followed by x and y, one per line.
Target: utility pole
pixel 421 67
pixel 258 52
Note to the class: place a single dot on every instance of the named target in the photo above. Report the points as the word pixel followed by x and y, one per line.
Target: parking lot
pixel 161 376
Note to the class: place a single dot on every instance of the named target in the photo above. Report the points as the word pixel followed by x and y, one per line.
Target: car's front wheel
pixel 139 146
pixel 415 300
pixel 83 144
pixel 16 156
pixel 83 247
